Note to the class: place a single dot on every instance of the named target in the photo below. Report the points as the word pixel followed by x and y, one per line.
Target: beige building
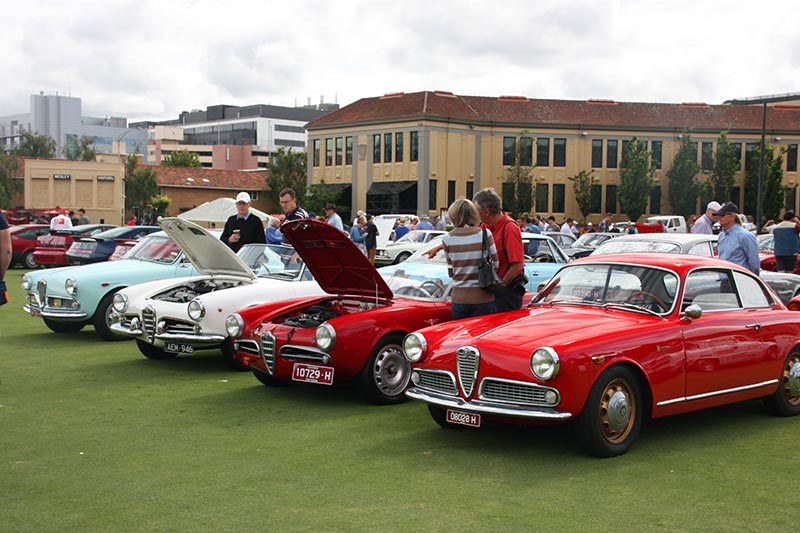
pixel 420 151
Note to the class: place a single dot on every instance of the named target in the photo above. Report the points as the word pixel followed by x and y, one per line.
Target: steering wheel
pixel 647 300
pixel 433 289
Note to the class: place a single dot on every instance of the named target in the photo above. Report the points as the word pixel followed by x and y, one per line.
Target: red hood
pixel 337 264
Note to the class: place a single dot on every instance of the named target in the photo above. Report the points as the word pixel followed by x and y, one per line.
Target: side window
pixel 712 290
pixel 751 291
pixel 702 248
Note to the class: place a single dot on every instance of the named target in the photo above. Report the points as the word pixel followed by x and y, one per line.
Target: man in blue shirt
pixel 736 244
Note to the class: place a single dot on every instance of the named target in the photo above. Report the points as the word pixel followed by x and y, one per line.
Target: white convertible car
pixel 178 316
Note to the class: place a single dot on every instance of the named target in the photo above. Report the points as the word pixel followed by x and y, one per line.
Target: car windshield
pixel 617 246
pixel 158 249
pixel 421 254
pixel 590 240
pixel 274 261
pixel 636 287
pixel 413 236
pixel 113 233
pixel 417 286
pixel 766 243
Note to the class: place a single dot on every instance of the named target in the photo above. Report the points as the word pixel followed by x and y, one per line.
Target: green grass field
pixel 93 436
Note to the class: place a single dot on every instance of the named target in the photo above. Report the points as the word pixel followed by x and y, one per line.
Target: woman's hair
pixel 464 213
pixel 362 219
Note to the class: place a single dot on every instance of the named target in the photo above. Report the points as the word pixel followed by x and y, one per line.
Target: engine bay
pixel 314 315
pixel 189 291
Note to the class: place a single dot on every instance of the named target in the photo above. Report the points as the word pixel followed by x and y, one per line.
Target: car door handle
pixel 535 274
pixel 753 326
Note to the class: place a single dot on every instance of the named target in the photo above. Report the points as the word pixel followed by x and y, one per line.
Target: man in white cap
pixel 244 227
pixel 705 224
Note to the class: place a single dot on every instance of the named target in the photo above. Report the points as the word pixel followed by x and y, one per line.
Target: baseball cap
pixel 713 206
pixel 727 207
pixel 243 197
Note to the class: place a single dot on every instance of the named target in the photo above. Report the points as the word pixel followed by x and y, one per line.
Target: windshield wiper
pixel 630 307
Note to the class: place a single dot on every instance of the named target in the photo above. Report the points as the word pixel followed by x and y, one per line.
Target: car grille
pixel 41 289
pixel 437 381
pixel 172 326
pixel 268 351
pixel 149 321
pixel 248 346
pixel 500 390
pixel 468 362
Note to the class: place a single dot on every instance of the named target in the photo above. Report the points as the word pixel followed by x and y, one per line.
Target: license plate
pixel 321 375
pixel 463 419
pixel 173 347
pixel 36 312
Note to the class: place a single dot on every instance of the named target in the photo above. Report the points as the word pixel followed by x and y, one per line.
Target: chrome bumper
pixel 197 340
pixel 53 313
pixel 486 408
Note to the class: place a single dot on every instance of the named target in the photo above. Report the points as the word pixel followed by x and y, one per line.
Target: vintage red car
pixel 612 340
pixel 51 249
pixel 352 333
pixel 23 242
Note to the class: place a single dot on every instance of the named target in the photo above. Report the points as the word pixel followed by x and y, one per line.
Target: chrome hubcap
pixel 391 371
pixel 793 379
pixel 619 411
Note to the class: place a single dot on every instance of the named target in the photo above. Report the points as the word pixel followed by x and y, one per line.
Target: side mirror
pixel 693 311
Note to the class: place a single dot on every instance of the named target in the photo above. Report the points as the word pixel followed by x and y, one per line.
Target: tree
pixel 140 187
pixel 725 166
pixel 8 185
pixel 80 149
pixel 287 170
pixel 635 179
pixel 181 158
pixel 518 187
pixel 582 183
pixel 160 204
pixel 35 145
pixel 683 185
pixel 773 192
pixel 317 195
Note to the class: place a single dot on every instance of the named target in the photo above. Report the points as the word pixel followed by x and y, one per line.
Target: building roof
pixel 519 111
pixel 208 178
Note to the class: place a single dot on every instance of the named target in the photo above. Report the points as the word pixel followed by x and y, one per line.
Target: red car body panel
pixel 51 250
pixel 20 245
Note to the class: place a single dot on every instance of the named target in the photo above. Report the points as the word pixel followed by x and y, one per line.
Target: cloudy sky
pixel 152 59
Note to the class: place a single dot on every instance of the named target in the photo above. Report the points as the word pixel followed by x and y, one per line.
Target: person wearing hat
pixel 400 229
pixel 736 244
pixel 244 227
pixel 705 224
pixel 332 217
pixel 787 242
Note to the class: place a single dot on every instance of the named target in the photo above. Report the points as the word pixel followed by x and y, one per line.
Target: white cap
pixel 713 206
pixel 243 197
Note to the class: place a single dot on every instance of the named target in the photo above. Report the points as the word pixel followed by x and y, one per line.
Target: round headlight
pixel 196 310
pixel 545 363
pixel 120 302
pixel 414 346
pixel 234 325
pixel 71 286
pixel 26 282
pixel 325 336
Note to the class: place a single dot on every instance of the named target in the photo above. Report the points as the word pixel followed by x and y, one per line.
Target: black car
pixel 100 246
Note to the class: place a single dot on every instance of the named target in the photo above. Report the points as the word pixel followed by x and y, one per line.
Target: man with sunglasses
pixel 705 223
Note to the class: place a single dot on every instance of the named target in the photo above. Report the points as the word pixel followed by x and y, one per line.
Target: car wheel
pixel 63 327
pixel 786 400
pixel 229 356
pixel 151 352
pixel 103 318
pixel 270 381
pixel 27 260
pixel 401 257
pixel 611 419
pixel 439 416
pixel 385 377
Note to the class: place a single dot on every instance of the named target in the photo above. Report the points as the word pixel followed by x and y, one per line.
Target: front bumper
pixel 486 408
pixel 54 308
pixel 127 327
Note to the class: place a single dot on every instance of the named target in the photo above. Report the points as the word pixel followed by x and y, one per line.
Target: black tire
pixel 612 417
pixel 385 377
pixel 785 401
pixel 401 257
pixel 229 356
pixel 103 317
pixel 27 260
pixel 151 352
pixel 439 416
pixel 63 327
pixel 270 381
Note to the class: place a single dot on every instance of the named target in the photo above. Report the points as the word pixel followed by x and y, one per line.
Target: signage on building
pixel 105 178
pixel 62 176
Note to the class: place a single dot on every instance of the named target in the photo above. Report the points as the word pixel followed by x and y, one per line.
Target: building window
pixel 348 150
pixel 398 147
pixel 328 152
pixel 376 148
pixel 470 189
pixel 509 145
pixel 749 153
pixel 791 198
pixel 414 148
pixel 655 153
pixel 387 147
pixel 432 195
pixel 611 153
pixel 559 152
pixel 626 145
pixel 542 198
pixel 559 190
pixel 737 153
pixel 655 200
pixel 597 153
pixel 451 191
pixel 791 158
pixel 707 156
pixel 597 194
pixel 543 153
pixel 611 199
pixel 339 147
pixel 526 151
pixel 315 152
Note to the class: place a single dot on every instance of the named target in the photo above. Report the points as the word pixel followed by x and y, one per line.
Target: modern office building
pixel 420 151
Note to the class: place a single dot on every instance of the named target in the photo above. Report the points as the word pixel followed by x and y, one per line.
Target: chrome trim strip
pixel 488 408
pixel 190 338
pixel 49 313
pixel 717 393
pixel 294 352
pixel 124 330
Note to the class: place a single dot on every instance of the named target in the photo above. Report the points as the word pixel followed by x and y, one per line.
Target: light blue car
pixel 69 298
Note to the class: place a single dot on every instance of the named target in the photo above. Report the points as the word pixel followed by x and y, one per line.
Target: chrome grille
pixel 178 327
pixel 468 362
pixel 149 321
pixel 247 346
pixel 501 390
pixel 437 381
pixel 41 289
pixel 268 351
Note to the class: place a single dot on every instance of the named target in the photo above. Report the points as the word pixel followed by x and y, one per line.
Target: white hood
pixel 206 252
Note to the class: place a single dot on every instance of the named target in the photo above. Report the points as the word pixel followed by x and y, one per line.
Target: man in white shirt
pixel 60 221
pixel 333 217
pixel 705 224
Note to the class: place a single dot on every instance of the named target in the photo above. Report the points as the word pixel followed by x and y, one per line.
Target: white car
pixel 179 316
pixel 402 248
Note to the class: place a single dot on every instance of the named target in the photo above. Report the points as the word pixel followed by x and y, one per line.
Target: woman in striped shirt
pixel 463 248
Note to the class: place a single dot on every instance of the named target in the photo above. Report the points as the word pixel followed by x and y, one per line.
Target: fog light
pixel 550 397
pixel 415 378
pixel 135 323
pixel 161 326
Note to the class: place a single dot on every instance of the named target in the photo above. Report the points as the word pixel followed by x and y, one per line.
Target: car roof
pixel 681 238
pixel 676 262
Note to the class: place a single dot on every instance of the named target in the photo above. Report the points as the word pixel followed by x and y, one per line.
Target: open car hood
pixel 337 264
pixel 206 252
